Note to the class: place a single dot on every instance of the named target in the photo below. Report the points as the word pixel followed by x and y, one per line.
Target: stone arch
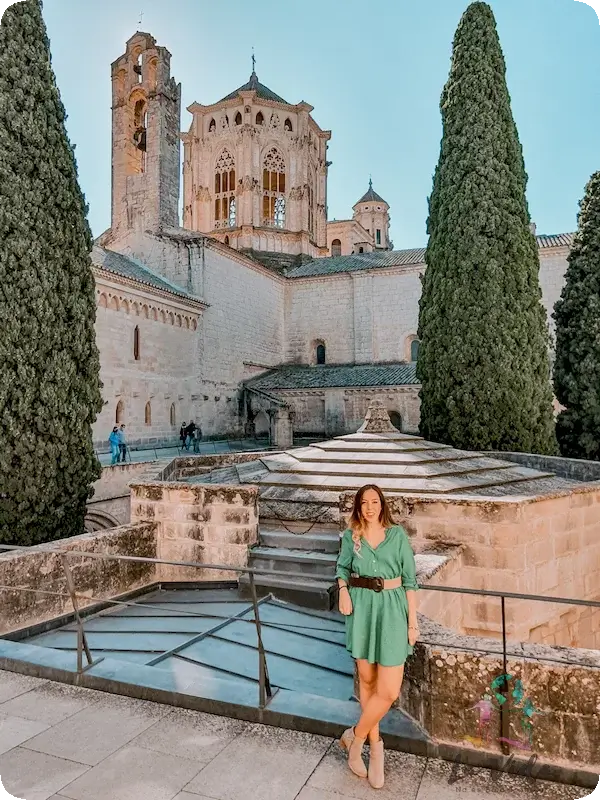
pixel 262 424
pixel 99 521
pixel 173 415
pixel 148 414
pixel 145 311
pixel 120 412
pixel 187 323
pixel 114 303
pixel 179 320
pixel 287 125
pixel 212 125
pixel 120 81
pixel 152 66
pixel 103 301
pixel 135 309
pixel 260 120
pixel 125 305
pixel 336 247
pixel 194 324
pixel 238 118
pixel 163 316
pixel 396 420
pixel 155 315
pixel 171 318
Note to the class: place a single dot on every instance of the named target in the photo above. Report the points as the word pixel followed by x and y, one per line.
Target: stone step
pixel 303 592
pixel 320 541
pixel 280 559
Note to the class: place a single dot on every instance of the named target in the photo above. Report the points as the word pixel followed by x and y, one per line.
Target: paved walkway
pixel 59 741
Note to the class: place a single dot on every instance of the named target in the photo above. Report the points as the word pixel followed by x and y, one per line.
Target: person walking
pixel 122 443
pixel 114 441
pixel 182 435
pixel 189 433
pixel 377 585
pixel 197 438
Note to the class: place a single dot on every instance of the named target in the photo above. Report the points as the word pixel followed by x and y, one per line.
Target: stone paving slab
pixel 173 754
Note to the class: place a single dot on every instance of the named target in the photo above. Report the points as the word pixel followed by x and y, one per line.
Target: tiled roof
pixel 329 376
pixel 393 258
pixel 377 260
pixel 557 240
pixel 129 267
pixel 370 195
pixel 261 90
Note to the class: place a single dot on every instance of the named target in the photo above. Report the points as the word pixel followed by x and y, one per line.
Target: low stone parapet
pixel 41 569
pixel 204 523
pixel 553 704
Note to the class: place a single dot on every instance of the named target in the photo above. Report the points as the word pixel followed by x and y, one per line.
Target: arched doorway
pixel 396 420
pixel 262 424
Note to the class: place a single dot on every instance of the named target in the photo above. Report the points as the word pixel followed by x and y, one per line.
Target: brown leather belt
pixel 376 584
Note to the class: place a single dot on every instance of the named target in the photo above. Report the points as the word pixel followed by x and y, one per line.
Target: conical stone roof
pixel 294 483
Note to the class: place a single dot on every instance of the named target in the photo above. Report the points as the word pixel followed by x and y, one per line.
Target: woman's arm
pixel 409 579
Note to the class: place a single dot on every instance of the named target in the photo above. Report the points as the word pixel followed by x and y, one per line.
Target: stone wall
pixel 187 466
pixel 575 469
pixel 334 412
pixel 207 524
pixel 110 505
pixel 95 579
pixel 167 372
pixel 448 675
pixel 546 546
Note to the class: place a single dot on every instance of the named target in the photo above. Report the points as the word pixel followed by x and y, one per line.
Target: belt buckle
pixel 378 587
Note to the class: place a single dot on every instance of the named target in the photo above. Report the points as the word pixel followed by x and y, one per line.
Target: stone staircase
pixel 284 547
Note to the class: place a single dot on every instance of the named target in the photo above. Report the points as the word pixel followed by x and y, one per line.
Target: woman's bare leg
pixel 387 690
pixel 367 677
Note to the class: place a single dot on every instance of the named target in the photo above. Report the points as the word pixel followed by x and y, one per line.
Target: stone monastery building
pixel 255 314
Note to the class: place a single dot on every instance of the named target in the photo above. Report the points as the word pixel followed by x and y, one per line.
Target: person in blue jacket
pixel 114 440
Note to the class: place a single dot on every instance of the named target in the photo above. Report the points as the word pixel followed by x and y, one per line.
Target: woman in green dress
pixel 377 595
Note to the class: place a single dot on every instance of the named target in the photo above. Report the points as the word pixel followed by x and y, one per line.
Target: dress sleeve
pixel 409 569
pixel 344 561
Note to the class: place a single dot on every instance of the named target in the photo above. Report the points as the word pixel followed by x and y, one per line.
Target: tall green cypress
pixel 577 317
pixel 49 363
pixel 484 354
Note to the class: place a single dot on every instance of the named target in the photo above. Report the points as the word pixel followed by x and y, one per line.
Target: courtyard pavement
pixel 58 741
pixel 135 455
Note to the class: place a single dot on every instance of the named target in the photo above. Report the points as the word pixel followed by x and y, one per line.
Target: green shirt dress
pixel 377 628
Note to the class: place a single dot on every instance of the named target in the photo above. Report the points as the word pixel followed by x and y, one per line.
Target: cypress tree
pixel 577 317
pixel 49 363
pixel 484 353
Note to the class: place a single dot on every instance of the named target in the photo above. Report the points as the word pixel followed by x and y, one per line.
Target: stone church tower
pixel 255 173
pixel 373 213
pixel 146 108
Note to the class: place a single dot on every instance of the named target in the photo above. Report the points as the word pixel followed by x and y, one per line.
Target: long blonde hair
pixel 357 521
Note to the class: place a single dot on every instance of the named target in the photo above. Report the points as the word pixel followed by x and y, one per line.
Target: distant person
pixel 122 443
pixel 114 440
pixel 197 437
pixel 189 433
pixel 182 434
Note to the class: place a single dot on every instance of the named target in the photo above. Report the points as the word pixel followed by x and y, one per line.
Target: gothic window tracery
pixel 274 189
pixel 225 209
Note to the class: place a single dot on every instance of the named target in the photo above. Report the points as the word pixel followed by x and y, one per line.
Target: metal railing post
pixel 504 710
pixel 81 637
pixel 264 684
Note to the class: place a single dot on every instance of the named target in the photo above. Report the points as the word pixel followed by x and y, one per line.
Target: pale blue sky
pixel 373 72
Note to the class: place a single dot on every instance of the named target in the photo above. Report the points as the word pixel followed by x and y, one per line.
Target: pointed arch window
pixel 274 189
pixel 414 350
pixel 120 413
pixel 225 209
pixel 321 353
pixel 260 120
pixel 148 414
pixel 336 247
pixel 212 127
pixel 172 415
pixel 238 118
pixel 140 129
pixel 287 125
pixel 136 343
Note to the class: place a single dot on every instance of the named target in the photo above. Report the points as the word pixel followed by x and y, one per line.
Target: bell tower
pixel 146 110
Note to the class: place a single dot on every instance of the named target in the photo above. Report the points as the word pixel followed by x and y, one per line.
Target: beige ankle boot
pixel 354 746
pixel 376 776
